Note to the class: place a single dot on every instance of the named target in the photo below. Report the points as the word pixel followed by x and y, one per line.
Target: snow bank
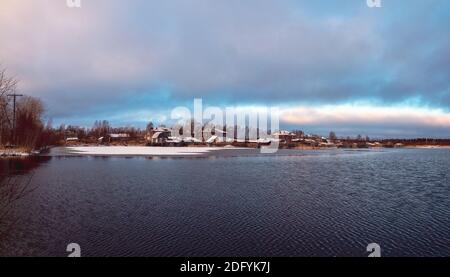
pixel 8 153
pixel 140 151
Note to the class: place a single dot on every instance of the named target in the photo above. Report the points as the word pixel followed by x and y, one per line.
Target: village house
pixel 119 137
pixel 158 135
pixel 284 136
pixel 122 137
pixel 72 140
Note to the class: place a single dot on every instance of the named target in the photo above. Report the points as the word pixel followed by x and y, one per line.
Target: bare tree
pixel 8 85
pixel 150 127
pixel 29 111
pixel 13 187
pixel 29 126
pixel 332 136
pixel 101 128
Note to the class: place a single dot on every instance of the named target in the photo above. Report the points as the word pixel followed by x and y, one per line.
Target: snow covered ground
pixel 13 153
pixel 139 151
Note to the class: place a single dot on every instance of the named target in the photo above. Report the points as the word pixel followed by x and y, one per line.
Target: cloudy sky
pixel 326 64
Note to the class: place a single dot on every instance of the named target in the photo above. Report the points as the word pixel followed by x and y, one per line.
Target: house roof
pixel 119 135
pixel 212 139
pixel 162 130
pixel 283 133
pixel 190 139
pixel 156 135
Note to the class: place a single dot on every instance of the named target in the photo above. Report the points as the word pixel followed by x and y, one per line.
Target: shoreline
pixel 159 151
pixel 139 151
pixel 13 153
pixel 429 146
pixel 181 152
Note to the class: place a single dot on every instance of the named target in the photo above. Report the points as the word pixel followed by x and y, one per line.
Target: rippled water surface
pixel 297 203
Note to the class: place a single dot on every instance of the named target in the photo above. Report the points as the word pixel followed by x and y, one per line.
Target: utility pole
pixel 13 132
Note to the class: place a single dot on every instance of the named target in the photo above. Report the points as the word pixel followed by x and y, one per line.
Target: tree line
pixel 29 128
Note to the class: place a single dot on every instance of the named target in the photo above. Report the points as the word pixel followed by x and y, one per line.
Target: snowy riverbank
pixel 13 153
pixel 135 151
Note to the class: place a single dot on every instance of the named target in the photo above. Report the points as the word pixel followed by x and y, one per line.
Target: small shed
pixel 72 139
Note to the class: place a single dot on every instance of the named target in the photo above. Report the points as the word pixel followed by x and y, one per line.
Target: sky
pixel 327 65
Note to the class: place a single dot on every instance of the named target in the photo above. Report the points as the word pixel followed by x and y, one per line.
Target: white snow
pixel 9 153
pixel 140 150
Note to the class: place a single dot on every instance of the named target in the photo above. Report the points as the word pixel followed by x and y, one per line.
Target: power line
pixel 13 132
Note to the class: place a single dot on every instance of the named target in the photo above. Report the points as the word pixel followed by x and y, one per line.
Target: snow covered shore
pixel 138 151
pixel 13 153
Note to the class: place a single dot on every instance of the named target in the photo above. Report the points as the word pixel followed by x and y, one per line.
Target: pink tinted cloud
pixel 370 115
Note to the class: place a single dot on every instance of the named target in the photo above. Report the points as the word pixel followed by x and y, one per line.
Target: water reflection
pixel 16 175
pixel 20 166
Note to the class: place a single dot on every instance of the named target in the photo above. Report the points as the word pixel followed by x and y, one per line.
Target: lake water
pixel 296 203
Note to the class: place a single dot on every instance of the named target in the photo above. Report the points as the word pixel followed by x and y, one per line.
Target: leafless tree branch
pixel 13 187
